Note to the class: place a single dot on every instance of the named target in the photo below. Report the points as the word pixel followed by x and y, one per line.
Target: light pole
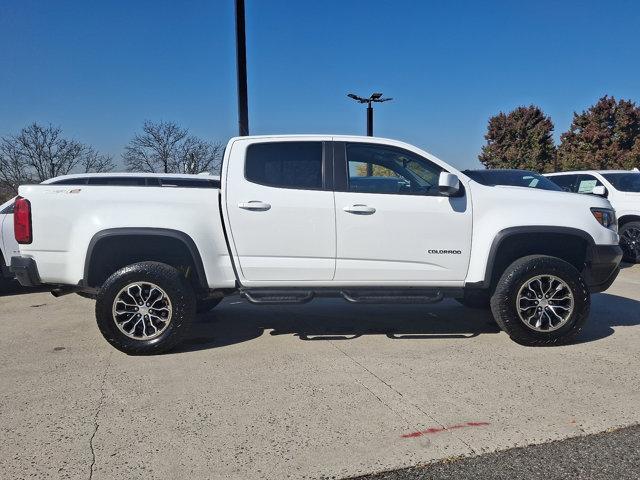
pixel 375 97
pixel 241 64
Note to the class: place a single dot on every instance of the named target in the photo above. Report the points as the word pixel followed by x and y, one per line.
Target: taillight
pixel 22 220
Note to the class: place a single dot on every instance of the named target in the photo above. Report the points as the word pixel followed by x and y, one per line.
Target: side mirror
pixel 600 191
pixel 448 184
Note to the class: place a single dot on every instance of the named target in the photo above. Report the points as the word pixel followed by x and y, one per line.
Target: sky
pixel 99 69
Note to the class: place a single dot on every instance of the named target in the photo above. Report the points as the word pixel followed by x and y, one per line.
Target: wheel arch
pixel 181 244
pixel 628 218
pixel 569 244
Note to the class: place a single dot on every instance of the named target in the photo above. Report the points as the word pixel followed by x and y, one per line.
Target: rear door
pixel 280 209
pixel 392 223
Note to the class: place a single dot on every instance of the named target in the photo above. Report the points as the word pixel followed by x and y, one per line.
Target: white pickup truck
pixel 292 218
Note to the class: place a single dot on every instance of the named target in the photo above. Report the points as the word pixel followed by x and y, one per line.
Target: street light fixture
pixel 375 97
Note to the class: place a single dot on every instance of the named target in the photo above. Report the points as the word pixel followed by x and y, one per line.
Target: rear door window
pixel 285 165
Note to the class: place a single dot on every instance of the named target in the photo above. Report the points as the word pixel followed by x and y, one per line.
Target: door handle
pixel 360 209
pixel 255 206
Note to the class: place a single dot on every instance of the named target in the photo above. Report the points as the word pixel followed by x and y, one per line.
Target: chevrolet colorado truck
pixel 292 218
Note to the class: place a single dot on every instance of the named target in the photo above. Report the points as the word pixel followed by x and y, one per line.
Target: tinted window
pixel 381 169
pixel 514 178
pixel 625 182
pixel 285 164
pixel 586 183
pixel 566 182
pixel 70 181
pixel 118 181
pixel 188 183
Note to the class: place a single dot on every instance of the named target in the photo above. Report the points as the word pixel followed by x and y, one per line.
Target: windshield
pixel 515 178
pixel 625 182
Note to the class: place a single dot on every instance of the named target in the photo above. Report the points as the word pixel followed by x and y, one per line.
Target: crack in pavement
pixel 95 416
pixel 404 399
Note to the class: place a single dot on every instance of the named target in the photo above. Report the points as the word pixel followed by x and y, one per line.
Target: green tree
pixel 606 136
pixel 522 138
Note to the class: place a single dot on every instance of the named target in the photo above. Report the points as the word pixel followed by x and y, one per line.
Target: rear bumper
pixel 602 266
pixel 25 271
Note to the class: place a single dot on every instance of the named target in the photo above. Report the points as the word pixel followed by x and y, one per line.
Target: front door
pixel 281 211
pixel 393 226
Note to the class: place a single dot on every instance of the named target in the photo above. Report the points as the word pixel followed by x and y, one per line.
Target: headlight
pixel 606 217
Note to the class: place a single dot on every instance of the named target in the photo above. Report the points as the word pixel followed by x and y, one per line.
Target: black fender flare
pixel 502 235
pixel 148 231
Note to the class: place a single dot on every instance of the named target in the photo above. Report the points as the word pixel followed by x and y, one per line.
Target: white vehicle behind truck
pixel 292 218
pixel 622 189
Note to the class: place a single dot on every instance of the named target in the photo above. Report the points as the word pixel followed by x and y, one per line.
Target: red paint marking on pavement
pixel 432 430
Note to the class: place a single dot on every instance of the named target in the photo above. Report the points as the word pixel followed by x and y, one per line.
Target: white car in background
pixel 8 243
pixel 622 189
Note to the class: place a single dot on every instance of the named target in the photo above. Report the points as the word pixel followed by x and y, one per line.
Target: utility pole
pixel 241 64
pixel 375 97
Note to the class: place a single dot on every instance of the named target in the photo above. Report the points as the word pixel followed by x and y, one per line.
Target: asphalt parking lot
pixel 323 390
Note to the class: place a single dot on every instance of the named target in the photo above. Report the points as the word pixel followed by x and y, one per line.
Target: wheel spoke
pixel 545 303
pixel 142 310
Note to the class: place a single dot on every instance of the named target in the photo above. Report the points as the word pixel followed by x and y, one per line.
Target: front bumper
pixel 26 271
pixel 602 266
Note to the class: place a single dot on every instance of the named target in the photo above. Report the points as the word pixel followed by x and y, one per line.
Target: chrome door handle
pixel 255 206
pixel 360 209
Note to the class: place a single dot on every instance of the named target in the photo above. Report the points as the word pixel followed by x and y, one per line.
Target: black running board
pixel 390 296
pixel 279 296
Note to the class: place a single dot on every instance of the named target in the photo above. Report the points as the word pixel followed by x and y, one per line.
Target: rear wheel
pixel 541 300
pixel 630 242
pixel 145 308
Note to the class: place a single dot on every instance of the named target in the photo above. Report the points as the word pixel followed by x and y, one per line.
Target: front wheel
pixel 145 308
pixel 541 300
pixel 630 242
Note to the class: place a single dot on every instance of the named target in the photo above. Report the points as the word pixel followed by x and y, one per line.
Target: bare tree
pixel 38 153
pixel 95 162
pixel 156 149
pixel 197 156
pixel 167 147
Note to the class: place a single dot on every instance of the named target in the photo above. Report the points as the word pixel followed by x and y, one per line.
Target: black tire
pixel 177 289
pixel 476 298
pixel 205 305
pixel 630 242
pixel 504 301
